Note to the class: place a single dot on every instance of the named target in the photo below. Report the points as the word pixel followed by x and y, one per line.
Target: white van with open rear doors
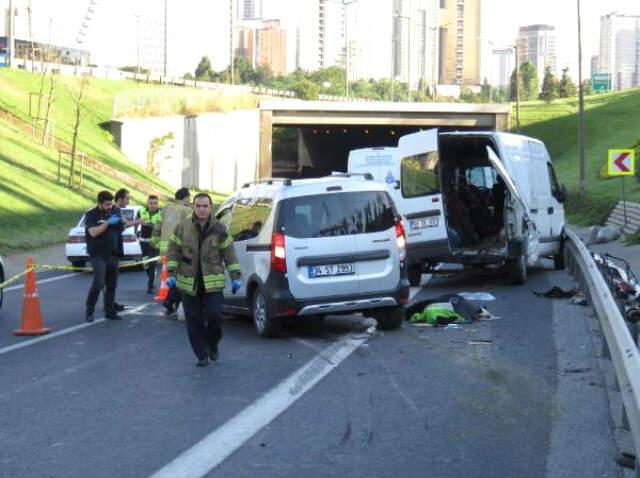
pixel 478 197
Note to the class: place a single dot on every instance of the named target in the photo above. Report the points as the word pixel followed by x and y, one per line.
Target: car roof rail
pixel 269 181
pixel 367 176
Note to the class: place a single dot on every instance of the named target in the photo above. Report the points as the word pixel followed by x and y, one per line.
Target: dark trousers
pixel 105 275
pixel 150 267
pixel 204 321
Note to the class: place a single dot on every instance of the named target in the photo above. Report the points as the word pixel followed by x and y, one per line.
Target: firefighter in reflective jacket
pixel 199 250
pixel 150 215
pixel 172 214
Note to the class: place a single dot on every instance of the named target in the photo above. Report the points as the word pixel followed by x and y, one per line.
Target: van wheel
pixel 265 321
pixel 517 270
pixel 389 318
pixel 414 274
pixel 558 259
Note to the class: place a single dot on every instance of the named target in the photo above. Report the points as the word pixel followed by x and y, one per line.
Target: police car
pixel 76 246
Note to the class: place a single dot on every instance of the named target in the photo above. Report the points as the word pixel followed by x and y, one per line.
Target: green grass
pixel 35 210
pixel 612 121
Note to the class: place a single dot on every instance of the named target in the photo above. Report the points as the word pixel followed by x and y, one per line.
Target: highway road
pixel 522 396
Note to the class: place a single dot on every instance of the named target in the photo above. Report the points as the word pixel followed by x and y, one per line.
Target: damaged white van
pixel 472 198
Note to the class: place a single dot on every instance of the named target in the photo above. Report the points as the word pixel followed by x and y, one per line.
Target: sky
pixel 112 36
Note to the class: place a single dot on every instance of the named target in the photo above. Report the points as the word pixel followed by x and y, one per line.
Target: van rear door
pixel 420 201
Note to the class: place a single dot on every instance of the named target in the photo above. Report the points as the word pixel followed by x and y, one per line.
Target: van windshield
pixel 336 214
pixel 419 175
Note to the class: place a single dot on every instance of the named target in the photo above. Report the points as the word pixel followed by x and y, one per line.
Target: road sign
pixel 601 82
pixel 622 162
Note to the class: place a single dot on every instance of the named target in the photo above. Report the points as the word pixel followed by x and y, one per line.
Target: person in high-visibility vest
pixel 172 214
pixel 150 215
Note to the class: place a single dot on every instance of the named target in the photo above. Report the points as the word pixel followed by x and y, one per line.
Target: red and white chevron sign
pixel 621 162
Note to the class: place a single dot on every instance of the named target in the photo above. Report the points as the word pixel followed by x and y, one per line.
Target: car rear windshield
pixel 336 214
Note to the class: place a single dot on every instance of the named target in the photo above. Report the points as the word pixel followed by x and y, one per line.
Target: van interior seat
pixel 300 225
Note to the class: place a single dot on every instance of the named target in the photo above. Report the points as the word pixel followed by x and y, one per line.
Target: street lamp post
pixel 583 180
pixel 347 59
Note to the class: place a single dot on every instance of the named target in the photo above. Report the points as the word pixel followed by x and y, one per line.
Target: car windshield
pixel 336 214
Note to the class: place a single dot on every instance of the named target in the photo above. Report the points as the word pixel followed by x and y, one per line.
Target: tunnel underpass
pixel 301 139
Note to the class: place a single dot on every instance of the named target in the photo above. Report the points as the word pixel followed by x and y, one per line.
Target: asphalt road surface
pixel 521 396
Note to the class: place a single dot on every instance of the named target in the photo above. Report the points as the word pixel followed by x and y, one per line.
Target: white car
pixel 314 247
pixel 76 246
pixel 2 278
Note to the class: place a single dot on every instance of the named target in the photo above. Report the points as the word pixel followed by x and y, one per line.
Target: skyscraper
pixel 537 44
pixel 620 49
pixel 501 66
pixel 248 9
pixel 460 22
pixel 415 41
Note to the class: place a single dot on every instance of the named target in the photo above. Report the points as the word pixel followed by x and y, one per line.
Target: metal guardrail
pixel 619 344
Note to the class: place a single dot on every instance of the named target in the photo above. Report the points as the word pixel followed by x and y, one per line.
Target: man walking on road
pixel 172 214
pixel 121 200
pixel 149 215
pixel 199 250
pixel 103 233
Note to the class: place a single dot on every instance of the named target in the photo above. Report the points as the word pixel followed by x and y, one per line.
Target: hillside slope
pixel 612 121
pixel 35 209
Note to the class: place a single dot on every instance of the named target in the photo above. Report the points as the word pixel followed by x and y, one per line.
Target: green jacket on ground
pixel 172 214
pixel 209 248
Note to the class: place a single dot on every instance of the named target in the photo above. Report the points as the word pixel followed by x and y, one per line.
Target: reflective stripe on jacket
pixel 215 252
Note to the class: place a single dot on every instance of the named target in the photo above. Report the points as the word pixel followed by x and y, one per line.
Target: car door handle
pixel 550 210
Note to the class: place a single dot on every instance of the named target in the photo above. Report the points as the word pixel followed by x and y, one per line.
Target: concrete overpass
pixel 327 131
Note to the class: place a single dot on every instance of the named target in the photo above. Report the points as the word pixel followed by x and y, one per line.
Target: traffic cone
pixel 31 317
pixel 163 293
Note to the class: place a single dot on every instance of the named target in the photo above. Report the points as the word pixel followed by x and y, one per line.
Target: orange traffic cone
pixel 163 293
pixel 31 316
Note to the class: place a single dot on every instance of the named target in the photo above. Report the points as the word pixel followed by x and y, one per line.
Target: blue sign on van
pixel 389 179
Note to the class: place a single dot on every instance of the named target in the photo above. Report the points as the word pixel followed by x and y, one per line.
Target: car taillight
pixel 75 240
pixel 278 253
pixel 128 238
pixel 401 240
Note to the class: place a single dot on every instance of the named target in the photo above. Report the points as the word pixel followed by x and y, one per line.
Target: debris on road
pixel 579 299
pixel 602 235
pixel 479 296
pixel 479 342
pixel 453 327
pixel 576 370
pixel 446 309
pixel 557 293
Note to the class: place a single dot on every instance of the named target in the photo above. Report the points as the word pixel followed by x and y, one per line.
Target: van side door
pixel 420 202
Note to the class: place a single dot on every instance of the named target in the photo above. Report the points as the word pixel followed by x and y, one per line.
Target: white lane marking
pixel 42 338
pixel 205 455
pixel 43 281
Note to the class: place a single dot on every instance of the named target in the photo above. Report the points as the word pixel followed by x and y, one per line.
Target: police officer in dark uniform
pixel 149 216
pixel 103 233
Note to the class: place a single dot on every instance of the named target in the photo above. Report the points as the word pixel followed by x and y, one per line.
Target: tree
pixel 263 75
pixel 243 70
pixel 204 70
pixel 307 90
pixel 188 76
pixel 155 146
pixel 512 89
pixel 566 87
pixel 530 82
pixel 77 97
pixel 549 87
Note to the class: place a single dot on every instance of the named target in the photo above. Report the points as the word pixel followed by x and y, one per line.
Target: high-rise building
pixel 415 41
pixel 262 42
pixel 460 22
pixel 331 32
pixel 594 65
pixel 248 9
pixel 620 49
pixel 150 39
pixel 501 66
pixel 537 44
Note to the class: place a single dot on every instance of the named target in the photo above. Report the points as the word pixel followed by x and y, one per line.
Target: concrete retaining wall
pixel 212 151
pixel 617 217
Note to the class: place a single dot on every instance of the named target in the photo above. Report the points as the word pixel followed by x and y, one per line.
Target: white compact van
pixel 478 197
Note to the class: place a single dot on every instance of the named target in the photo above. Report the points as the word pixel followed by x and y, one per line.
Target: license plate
pixel 424 223
pixel 332 270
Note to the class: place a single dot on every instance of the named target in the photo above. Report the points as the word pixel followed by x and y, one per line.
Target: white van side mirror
pixel 561 194
pixel 396 184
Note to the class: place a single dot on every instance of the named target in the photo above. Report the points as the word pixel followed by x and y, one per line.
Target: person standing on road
pixel 199 250
pixel 103 233
pixel 149 216
pixel 172 214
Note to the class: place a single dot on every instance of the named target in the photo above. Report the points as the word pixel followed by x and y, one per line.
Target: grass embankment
pixel 36 210
pixel 612 121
